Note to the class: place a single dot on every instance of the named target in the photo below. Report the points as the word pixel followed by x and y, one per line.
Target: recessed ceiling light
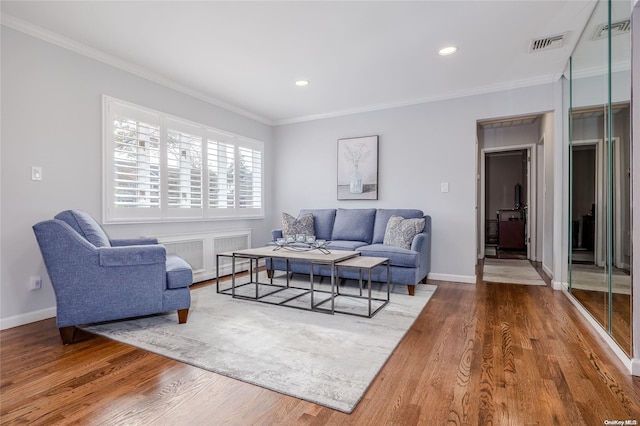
pixel 301 83
pixel 446 51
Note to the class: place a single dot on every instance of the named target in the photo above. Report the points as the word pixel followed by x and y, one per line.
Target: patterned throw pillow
pixel 301 225
pixel 400 231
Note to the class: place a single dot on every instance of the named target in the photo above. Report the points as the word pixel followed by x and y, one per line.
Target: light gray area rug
pixel 512 271
pixel 326 359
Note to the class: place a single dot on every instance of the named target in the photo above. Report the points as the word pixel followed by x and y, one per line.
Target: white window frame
pixel 164 213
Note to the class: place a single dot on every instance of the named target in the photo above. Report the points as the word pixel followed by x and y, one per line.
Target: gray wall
pixel 420 147
pixel 52 117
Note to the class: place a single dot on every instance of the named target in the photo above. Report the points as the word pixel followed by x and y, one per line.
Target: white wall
pixel 420 147
pixel 52 117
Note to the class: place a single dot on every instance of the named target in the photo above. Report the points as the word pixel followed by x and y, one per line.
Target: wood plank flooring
pixel 489 354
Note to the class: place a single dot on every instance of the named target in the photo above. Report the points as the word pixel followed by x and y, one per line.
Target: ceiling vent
pixel 546 43
pixel 617 28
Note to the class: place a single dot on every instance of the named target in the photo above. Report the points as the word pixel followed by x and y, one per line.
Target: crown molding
pixel 452 95
pixel 76 47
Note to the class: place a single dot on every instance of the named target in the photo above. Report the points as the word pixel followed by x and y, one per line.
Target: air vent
pixel 546 43
pixel 617 28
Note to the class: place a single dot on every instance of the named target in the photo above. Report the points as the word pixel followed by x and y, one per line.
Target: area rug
pixel 510 271
pixel 325 359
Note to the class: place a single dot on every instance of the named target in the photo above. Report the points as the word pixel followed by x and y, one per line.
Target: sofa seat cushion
pixel 397 256
pixel 346 245
pixel 179 273
pixel 354 225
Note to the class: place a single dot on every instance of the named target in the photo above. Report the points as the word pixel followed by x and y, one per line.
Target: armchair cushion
pixel 86 226
pixel 179 272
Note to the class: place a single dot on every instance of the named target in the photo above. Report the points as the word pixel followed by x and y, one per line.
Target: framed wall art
pixel 358 168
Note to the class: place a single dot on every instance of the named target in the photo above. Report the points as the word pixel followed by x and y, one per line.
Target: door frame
pixel 600 222
pixel 532 191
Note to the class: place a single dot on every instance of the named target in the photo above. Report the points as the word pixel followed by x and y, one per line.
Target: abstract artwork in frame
pixel 358 168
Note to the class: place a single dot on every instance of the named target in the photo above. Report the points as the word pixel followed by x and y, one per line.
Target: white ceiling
pixel 358 56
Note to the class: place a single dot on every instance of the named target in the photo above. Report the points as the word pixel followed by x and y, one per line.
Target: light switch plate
pixel 36 173
pixel 444 187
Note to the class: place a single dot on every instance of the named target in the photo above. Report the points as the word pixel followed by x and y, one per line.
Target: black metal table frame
pixel 370 299
pixel 314 306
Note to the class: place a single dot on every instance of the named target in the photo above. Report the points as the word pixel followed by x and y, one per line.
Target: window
pixel 159 167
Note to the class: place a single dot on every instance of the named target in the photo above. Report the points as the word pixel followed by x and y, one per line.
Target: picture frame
pixel 358 168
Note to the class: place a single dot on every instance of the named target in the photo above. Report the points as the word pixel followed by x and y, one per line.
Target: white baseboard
pixel 470 279
pixel 547 271
pixel 635 367
pixel 29 317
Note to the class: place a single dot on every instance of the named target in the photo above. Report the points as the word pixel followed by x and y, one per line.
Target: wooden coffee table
pixel 319 299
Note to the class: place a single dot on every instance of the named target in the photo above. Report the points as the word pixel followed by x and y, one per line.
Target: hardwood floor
pixel 489 354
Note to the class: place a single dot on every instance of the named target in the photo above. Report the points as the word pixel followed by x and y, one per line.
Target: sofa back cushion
pixel 86 226
pixel 322 221
pixel 354 225
pixel 383 216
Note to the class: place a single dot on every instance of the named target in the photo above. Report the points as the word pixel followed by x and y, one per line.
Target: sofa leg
pixel 67 334
pixel 412 290
pixel 182 315
pixel 424 280
pixel 269 273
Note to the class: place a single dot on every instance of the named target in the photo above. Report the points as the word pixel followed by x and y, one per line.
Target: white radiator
pixel 200 251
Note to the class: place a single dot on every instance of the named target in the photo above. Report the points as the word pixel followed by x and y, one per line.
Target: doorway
pixel 511 186
pixel 506 203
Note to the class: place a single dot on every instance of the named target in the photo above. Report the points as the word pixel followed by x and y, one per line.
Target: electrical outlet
pixel 35 284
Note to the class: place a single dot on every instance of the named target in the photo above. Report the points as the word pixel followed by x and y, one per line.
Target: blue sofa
pixel 96 279
pixel 363 230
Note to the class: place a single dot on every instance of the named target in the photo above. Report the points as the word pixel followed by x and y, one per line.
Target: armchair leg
pixel 182 315
pixel 67 334
pixel 412 290
pixel 269 273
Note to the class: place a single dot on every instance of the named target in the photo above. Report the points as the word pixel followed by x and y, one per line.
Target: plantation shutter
pixel 221 167
pixel 184 168
pixel 249 178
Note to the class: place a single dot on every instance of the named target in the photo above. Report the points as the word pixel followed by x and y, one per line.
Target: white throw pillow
pixel 400 232
pixel 302 225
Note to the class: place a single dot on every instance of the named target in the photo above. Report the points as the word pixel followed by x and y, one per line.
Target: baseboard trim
pixel 29 317
pixel 469 279
pixel 547 271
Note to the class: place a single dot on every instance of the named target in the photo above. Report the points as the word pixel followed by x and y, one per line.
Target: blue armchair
pixel 96 279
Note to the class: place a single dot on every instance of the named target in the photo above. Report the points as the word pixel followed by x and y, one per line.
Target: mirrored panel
pixel 600 169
